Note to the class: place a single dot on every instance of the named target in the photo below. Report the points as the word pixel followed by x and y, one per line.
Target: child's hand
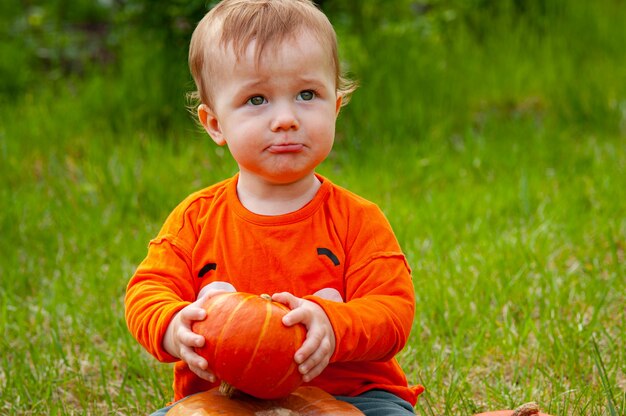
pixel 319 345
pixel 180 340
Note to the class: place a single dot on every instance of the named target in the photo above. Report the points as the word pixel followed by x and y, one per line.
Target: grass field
pixel 497 150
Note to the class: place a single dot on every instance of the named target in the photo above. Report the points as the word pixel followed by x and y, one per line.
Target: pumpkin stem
pixel 226 389
pixel 527 409
pixel 266 296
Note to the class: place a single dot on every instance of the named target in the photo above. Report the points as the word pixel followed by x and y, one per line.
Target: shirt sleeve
pixel 161 286
pixel 375 321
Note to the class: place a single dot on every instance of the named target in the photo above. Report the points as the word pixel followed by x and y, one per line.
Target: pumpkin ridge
pixel 212 306
pixel 266 323
pixel 291 369
pixel 288 374
pixel 216 306
pixel 231 317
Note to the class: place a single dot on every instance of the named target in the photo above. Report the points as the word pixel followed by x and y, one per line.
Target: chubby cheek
pixel 243 134
pixel 323 132
pixel 244 151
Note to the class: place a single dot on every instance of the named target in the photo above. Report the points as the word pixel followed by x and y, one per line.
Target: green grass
pixel 498 155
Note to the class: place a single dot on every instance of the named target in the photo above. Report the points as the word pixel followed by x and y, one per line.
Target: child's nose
pixel 285 118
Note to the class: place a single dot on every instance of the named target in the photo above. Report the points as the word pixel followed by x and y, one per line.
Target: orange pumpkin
pixel 248 346
pixel 305 401
pixel 506 413
pixel 527 409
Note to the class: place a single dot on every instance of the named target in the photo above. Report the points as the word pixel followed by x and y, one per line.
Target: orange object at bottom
pixel 508 413
pixel 305 401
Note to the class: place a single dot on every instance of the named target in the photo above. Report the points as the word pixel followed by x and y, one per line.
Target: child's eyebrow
pixel 313 82
pixel 310 80
pixel 253 83
pixel 320 88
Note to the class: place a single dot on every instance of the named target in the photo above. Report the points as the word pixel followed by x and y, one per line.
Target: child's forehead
pixel 279 47
pixel 261 48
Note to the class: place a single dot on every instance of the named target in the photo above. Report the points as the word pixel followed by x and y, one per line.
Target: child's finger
pixel 201 368
pixel 315 363
pixel 314 350
pixel 192 359
pixel 296 316
pixel 315 371
pixel 204 374
pixel 192 313
pixel 191 339
pixel 287 299
pixel 310 346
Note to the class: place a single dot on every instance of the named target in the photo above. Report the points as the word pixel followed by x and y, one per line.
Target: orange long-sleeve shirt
pixel 338 240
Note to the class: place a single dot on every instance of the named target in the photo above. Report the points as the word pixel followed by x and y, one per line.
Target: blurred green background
pixel 491 132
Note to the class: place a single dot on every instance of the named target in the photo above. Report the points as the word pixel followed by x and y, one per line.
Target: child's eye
pixel 257 100
pixel 306 95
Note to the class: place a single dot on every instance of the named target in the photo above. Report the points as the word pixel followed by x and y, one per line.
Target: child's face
pixel 277 117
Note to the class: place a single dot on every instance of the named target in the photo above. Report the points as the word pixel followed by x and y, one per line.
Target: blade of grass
pixel 603 377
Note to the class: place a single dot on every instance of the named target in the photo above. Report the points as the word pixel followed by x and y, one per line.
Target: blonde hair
pixel 236 23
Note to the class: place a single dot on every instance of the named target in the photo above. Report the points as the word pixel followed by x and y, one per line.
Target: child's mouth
pixel 286 148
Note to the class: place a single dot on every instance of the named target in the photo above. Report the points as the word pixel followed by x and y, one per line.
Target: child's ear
pixel 211 124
